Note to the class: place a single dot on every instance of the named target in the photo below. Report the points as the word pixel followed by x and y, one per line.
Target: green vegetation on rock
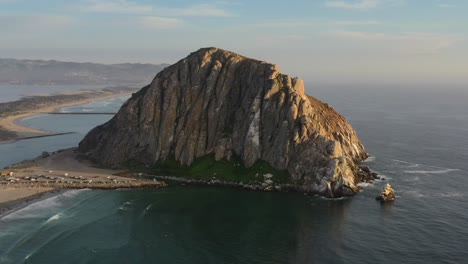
pixel 207 168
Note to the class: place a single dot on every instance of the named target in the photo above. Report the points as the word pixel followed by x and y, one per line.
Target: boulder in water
pixel 388 194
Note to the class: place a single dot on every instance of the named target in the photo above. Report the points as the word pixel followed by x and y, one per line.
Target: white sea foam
pixel 73 193
pixel 420 194
pixel 384 177
pixel 37 209
pixel 54 218
pixel 413 193
pixel 411 179
pixel 33 210
pixel 451 195
pixel 125 206
pixel 414 165
pixel 363 184
pixel 333 199
pixel 370 159
pixel 102 103
pixel 28 118
pixel 146 210
pixel 430 171
pixel 409 164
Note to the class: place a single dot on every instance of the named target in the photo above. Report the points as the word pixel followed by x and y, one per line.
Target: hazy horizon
pixel 359 41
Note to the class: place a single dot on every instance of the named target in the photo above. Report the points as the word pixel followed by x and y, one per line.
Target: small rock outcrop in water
pixel 219 103
pixel 388 194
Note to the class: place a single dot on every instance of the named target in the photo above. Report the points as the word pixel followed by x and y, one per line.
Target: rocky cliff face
pixel 221 103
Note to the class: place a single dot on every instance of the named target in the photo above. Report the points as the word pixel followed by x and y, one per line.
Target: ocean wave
pixel 54 218
pixel 333 199
pixel 384 177
pixel 410 164
pixel 414 165
pixel 102 103
pixel 148 207
pixel 73 193
pixel 28 118
pixel 412 179
pixel 145 210
pixel 429 171
pixel 33 210
pixel 370 159
pixel 419 194
pixel 451 195
pixel 37 209
pixel 412 193
pixel 126 206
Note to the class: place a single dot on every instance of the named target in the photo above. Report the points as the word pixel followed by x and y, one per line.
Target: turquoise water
pixel 79 124
pixel 418 143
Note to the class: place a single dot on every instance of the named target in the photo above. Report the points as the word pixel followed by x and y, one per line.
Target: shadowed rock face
pixel 218 102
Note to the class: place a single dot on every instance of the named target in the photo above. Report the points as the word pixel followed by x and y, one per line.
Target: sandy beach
pixel 27 181
pixel 8 194
pixel 10 123
pixel 63 170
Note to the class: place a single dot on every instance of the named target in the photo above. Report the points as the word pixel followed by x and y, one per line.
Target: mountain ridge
pixel 54 72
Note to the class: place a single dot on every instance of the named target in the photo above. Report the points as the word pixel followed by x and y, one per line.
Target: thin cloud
pixel 153 22
pixel 362 4
pixel 129 7
pixel 201 10
pixel 35 22
pixel 359 35
pixel 410 42
pixel 358 23
pixel 117 6
pixel 283 24
pixel 444 5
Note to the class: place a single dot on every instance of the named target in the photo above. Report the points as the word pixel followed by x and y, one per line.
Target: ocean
pixel 418 142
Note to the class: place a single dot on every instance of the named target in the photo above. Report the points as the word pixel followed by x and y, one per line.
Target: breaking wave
pixel 37 209
pixel 54 218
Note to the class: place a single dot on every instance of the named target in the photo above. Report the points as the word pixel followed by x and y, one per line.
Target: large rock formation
pixel 221 103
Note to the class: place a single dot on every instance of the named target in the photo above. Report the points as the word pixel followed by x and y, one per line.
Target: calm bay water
pixel 418 142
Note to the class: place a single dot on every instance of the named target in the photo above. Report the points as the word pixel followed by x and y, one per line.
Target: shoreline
pixel 11 123
pixel 61 170
pixel 12 206
pixel 16 196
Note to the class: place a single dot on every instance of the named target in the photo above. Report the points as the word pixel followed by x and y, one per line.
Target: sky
pixel 335 41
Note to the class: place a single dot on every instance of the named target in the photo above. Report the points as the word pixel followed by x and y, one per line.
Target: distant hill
pixel 14 71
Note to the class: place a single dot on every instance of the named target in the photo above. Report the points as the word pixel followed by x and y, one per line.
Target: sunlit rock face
pixel 221 103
